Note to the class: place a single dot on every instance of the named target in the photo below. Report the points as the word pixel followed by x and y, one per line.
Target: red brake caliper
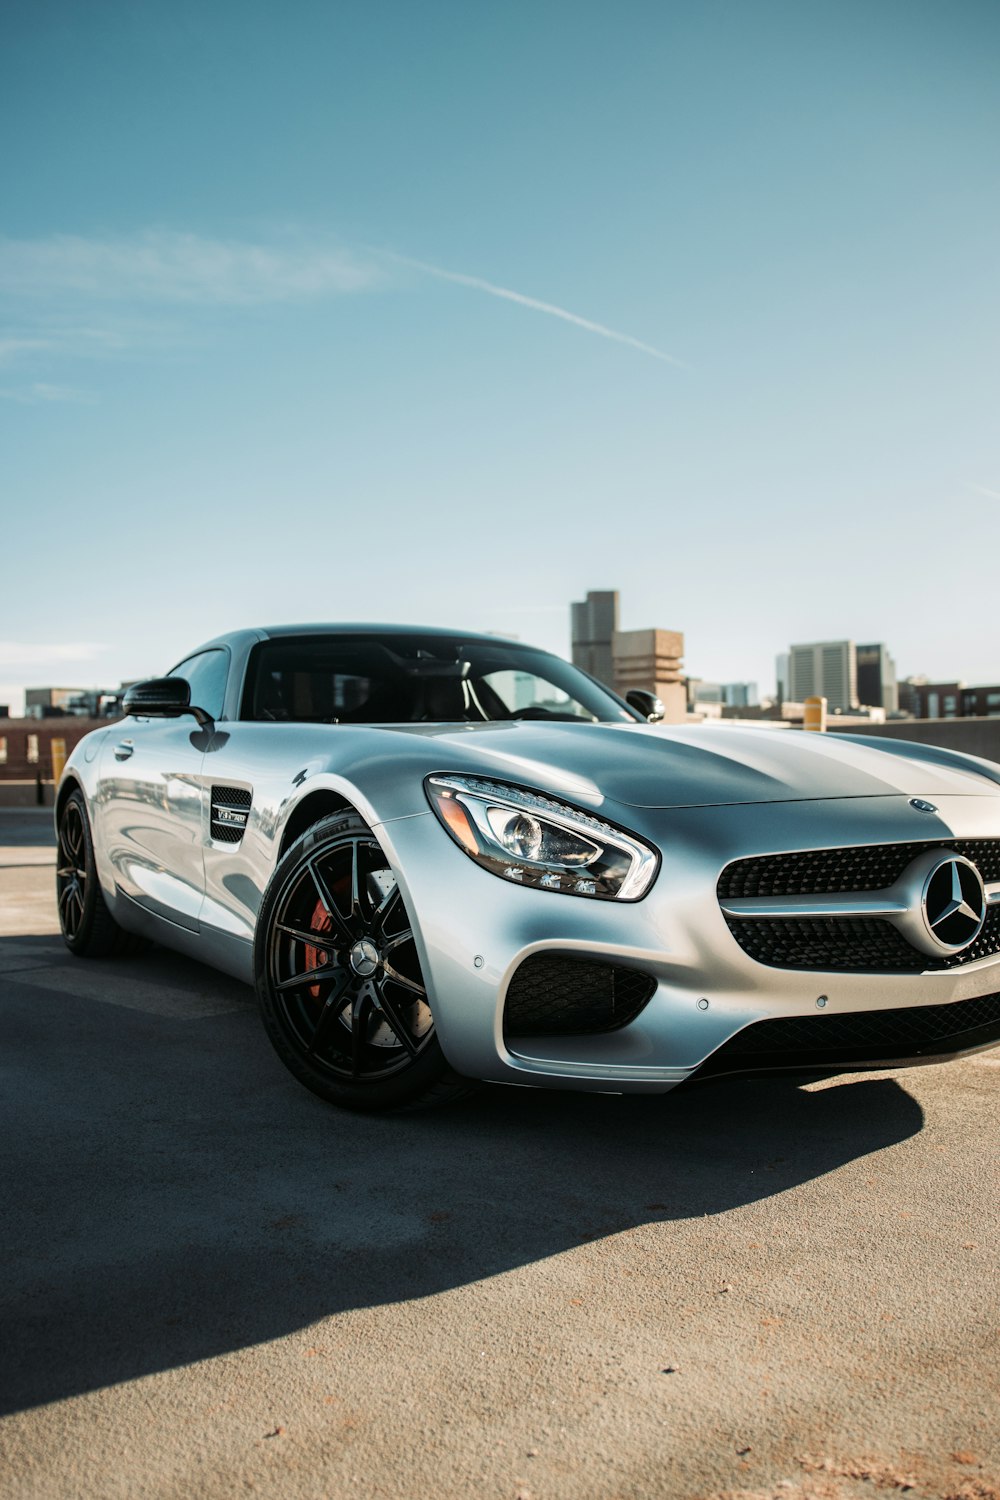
pixel 320 922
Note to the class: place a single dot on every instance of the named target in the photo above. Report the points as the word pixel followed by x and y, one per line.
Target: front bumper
pixel 858 1041
pixel 475 930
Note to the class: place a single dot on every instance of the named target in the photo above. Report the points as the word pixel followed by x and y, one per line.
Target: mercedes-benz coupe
pixel 443 857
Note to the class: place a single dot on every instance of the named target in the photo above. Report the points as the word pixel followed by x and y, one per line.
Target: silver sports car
pixel 444 857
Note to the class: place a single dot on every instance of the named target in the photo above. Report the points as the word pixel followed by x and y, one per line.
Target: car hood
pixel 658 767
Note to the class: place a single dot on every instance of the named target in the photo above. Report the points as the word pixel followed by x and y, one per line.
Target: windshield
pixel 401 679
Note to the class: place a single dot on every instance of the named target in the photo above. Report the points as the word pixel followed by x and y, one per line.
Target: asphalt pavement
pixel 213 1284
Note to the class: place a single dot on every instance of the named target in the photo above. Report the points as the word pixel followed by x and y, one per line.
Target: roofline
pixel 375 627
pixel 252 635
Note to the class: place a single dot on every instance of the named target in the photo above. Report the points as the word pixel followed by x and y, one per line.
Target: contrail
pixel 479 285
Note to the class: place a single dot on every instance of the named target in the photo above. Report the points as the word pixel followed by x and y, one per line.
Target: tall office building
pixel 626 659
pixel 877 678
pixel 781 664
pixel 594 622
pixel 827 669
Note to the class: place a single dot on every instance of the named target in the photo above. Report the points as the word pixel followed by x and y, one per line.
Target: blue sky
pixel 282 332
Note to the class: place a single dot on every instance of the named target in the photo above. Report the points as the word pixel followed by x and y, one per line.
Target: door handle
pixel 124 749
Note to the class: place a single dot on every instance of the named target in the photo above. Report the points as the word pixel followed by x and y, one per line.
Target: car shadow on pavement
pixel 172 1194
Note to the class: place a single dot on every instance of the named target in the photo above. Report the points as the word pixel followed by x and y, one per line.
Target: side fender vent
pixel 230 811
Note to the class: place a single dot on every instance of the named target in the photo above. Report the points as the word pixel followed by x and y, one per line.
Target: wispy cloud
pixel 70 332
pixel 24 656
pixel 71 297
pixel 41 391
pixel 981 489
pixel 550 308
pixel 12 348
pixel 81 296
pixel 164 266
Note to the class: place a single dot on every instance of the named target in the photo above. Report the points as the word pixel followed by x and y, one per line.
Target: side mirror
pixel 647 704
pixel 162 698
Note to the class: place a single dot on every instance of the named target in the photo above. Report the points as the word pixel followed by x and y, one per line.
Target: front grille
pixel 230 811
pixel 819 872
pixel 867 945
pixel 843 1043
pixel 554 995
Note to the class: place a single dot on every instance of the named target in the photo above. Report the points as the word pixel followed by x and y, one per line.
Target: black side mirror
pixel 647 704
pixel 162 698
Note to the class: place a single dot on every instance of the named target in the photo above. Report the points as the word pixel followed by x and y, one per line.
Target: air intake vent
pixel 553 995
pixel 230 811
pixel 860 1039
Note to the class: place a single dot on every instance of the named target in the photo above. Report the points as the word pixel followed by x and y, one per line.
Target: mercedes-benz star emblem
pixel 364 957
pixel 954 903
pixel 921 805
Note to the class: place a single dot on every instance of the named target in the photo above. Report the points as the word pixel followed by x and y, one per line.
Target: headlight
pixel 531 839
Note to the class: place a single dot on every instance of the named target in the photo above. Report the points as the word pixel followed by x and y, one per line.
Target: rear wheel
pixel 338 977
pixel 88 928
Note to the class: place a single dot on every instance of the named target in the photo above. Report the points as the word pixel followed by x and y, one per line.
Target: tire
pixel 88 928
pixel 338 978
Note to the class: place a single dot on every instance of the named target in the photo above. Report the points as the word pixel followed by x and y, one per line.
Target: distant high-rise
pixel 827 669
pixel 594 622
pixel 626 659
pixel 740 694
pixel 907 694
pixel 781 668
pixel 877 678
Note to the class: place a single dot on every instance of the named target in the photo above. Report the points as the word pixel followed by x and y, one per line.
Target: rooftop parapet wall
pixel 969 736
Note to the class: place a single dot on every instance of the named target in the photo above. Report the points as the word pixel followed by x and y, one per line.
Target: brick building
pixel 26 749
pixel 951 700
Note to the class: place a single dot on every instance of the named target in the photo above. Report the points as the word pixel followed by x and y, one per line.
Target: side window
pixel 207 673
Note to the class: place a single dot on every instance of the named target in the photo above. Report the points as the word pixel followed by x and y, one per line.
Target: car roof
pixel 369 627
pixel 242 641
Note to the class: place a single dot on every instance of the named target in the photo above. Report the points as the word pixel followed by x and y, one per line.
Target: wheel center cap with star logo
pixel 364 958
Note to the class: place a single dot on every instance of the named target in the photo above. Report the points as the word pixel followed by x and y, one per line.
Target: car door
pixel 151 814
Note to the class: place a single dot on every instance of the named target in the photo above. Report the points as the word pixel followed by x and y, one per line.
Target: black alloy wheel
pixel 71 870
pixel 88 928
pixel 338 976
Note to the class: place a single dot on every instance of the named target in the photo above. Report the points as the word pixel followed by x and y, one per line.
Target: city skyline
pixel 444 315
pixel 13 693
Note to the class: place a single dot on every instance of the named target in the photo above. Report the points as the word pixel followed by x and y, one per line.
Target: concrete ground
pixel 212 1284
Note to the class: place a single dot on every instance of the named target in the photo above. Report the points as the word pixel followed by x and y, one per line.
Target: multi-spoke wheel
pixel 88 928
pixel 338 976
